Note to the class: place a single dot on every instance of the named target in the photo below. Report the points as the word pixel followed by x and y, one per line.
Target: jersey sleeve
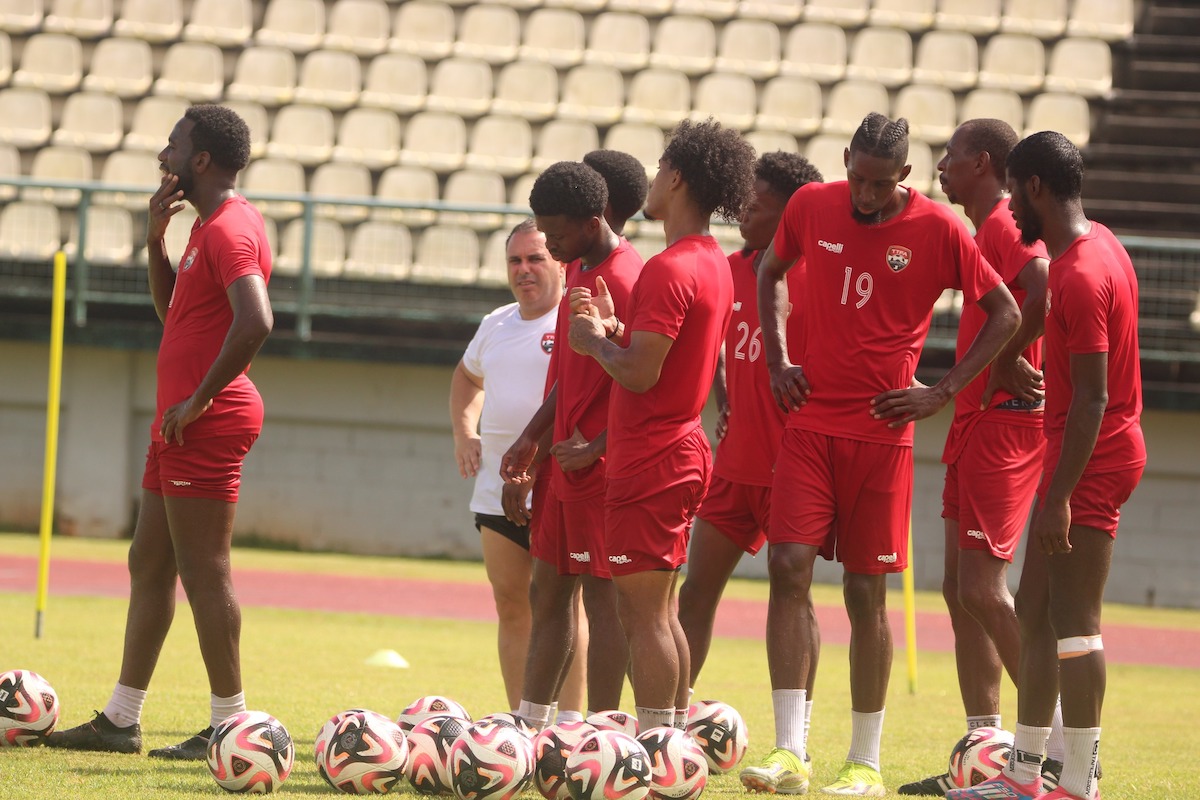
pixel 665 292
pixel 789 243
pixel 976 277
pixel 1083 302
pixel 473 357
pixel 237 251
pixel 1009 255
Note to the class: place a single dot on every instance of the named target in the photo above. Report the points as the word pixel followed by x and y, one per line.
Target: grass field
pixel 304 666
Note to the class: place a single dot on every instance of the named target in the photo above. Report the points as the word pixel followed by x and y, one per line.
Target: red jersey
pixel 584 388
pixel 685 292
pixel 747 453
pixel 1092 308
pixel 230 244
pixel 868 301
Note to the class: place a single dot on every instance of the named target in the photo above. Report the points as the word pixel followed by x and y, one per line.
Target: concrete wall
pixel 358 457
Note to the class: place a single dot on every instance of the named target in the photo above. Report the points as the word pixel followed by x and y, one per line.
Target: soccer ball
pixel 490 761
pixel 431 706
pixel 550 750
pixel 678 767
pixel 505 718
pixel 608 765
pixel 614 721
pixel 28 708
pixel 979 756
pixel 252 752
pixel 429 744
pixel 721 733
pixel 361 752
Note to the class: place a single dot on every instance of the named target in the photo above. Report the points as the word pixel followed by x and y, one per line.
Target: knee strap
pixel 1076 646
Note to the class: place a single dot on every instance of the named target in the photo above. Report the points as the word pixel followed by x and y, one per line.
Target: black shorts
pixel 517 534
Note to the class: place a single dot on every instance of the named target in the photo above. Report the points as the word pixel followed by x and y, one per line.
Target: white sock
pixel 535 714
pixel 1025 762
pixel 983 721
pixel 1079 766
pixel 866 728
pixel 681 717
pixel 125 706
pixel 568 716
pixel 654 717
pixel 222 708
pixel 808 704
pixel 553 712
pixel 789 719
pixel 1056 747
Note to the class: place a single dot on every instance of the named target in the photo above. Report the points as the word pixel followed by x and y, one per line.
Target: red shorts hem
pixel 209 469
pixel 740 512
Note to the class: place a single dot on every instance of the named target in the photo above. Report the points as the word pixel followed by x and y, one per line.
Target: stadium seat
pixel 523 5
pixel 849 102
pixel 225 23
pixel 647 8
pixel 827 153
pixel 1002 104
pixel 500 143
pixel 1080 66
pixel 435 139
pixel 1045 19
pixel 405 184
pixel 781 12
pixel 396 81
pixel 659 96
pixel 424 29
pixel 687 44
pixel 749 47
pixel 10 167
pixel 368 136
pixel 1110 20
pixel 490 33
pixel 85 19
pixel 193 70
pixel 619 40
pixel 564 140
pixel 264 75
pixel 123 67
pixel 256 119
pixel 155 21
pixel 493 269
pixel 330 78
pixel 978 17
pixel 6 62
pixel 327 255
pixel 24 117
pixel 129 168
pixel 153 119
pixel 275 176
pixel 911 15
pixel 379 250
pixel 303 133
pixel 920 158
pixel 461 85
pixel 765 141
pixel 930 110
pixel 947 58
pixel 1013 61
pixel 713 9
pixel 582 6
pixel 518 196
pixel 883 55
pixel 473 187
pixel 29 231
pixel 555 36
pixel 727 97
pixel 447 254
pixel 21 16
pixel 649 242
pixel 527 89
pixel 642 141
pixel 358 26
pixel 298 25
pixel 68 164
pixel 109 236
pixel 52 62
pixel 592 93
pixel 843 13
pixel 344 181
pixel 790 105
pixel 1068 114
pixel 815 50
pixel 91 120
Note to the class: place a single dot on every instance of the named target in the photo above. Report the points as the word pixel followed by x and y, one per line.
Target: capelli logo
pixel 831 246
pixel 890 558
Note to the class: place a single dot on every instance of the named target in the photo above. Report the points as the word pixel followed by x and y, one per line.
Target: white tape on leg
pixel 1076 646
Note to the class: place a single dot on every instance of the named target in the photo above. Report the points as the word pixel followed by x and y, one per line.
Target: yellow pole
pixel 910 617
pixel 51 460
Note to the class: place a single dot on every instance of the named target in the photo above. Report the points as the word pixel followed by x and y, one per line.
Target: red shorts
pixel 209 468
pixel 989 489
pixel 1098 497
pixel 648 515
pixel 851 499
pixel 570 534
pixel 740 512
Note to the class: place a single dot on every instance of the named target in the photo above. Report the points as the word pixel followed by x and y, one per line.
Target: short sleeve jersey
pixel 747 453
pixel 512 355
pixel 1093 303
pixel 868 300
pixel 685 293
pixel 230 244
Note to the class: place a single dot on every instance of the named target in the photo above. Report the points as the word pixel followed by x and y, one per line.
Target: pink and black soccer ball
pixel 490 761
pixel 430 706
pixel 361 752
pixel 979 756
pixel 721 733
pixel 678 767
pixel 429 743
pixel 608 765
pixel 550 750
pixel 28 708
pixel 250 752
pixel 614 721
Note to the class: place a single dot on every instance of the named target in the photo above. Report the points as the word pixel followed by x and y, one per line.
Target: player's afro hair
pixel 221 133
pixel 716 163
pixel 785 172
pixel 571 189
pixel 625 177
pixel 881 137
pixel 1053 158
pixel 992 136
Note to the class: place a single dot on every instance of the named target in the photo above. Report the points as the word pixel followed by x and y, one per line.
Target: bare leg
pixel 793 636
pixel 608 651
pixel 508 571
pixel 643 604
pixel 681 647
pixel 1038 683
pixel 711 561
pixel 573 695
pixel 870 640
pixel 152 576
pixel 552 636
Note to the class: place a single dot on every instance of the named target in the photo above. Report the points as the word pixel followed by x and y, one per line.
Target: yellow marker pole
pixel 910 617
pixel 51 460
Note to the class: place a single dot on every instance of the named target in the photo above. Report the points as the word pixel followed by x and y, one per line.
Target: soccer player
pixel 1095 455
pixel 495 388
pixel 662 361
pixel 625 177
pixel 877 255
pixel 994 450
pixel 569 201
pixel 736 510
pixel 215 314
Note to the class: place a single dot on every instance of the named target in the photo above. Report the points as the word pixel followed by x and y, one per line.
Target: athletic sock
pixel 1079 766
pixel 1056 747
pixel 983 721
pixel 222 708
pixel 808 704
pixel 866 728
pixel 681 719
pixel 1025 762
pixel 568 716
pixel 535 714
pixel 789 719
pixel 125 706
pixel 654 717
pixel 553 715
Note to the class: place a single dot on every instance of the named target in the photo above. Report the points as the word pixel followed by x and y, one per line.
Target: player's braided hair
pixel 571 189
pixel 221 133
pixel 716 163
pixel 527 225
pixel 992 136
pixel 626 180
pixel 881 137
pixel 785 172
pixel 1053 158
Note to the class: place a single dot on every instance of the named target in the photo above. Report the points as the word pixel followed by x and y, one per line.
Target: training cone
pixel 387 658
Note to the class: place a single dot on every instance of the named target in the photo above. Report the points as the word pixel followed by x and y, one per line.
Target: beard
pixel 1031 229
pixel 186 182
pixel 866 219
